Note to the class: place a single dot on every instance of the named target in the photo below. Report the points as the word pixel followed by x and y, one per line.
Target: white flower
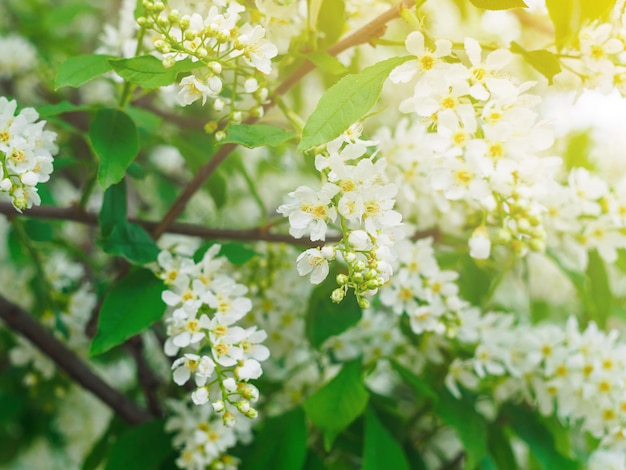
pixel 313 262
pixel 249 369
pixel 200 396
pixel 310 210
pixel 192 88
pixel 426 60
pixel 256 50
pixel 482 74
pixel 18 56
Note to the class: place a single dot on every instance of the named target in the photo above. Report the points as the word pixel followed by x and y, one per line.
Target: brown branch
pixel 362 35
pixel 75 214
pixel 147 378
pixel 22 322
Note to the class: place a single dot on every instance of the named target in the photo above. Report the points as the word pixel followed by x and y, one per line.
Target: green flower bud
pixel 337 295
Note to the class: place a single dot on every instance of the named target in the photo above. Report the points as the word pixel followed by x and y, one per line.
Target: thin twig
pixel 75 214
pixel 362 35
pixel 22 322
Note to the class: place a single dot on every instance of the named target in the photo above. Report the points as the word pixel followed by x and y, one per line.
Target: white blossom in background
pixel 26 154
pixel 427 294
pixel 18 56
pixel 578 375
pixel 120 39
pixel 203 438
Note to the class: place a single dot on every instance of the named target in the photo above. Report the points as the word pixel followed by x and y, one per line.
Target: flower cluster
pixel 19 56
pixel 26 151
pixel 423 291
pixel 228 51
pixel 597 60
pixel 359 200
pixel 580 375
pixel 219 356
pixel 203 438
pixel 480 132
pixel 586 214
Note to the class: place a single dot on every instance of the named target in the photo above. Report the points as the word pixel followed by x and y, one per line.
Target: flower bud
pixel 228 419
pixel 243 406
pixel 328 252
pixel 168 61
pixel 342 279
pixel 210 127
pixel 215 67
pixel 337 295
pixel 218 406
pixel 220 135
pixel 480 244
pixel 173 16
pixel 363 303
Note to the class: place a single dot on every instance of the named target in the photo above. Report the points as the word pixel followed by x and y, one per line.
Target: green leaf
pixel 331 23
pixel 545 62
pixel 142 447
pixel 102 447
pixel 421 388
pixel 38 230
pixel 78 70
pixel 327 62
pixel 236 253
pixel 499 447
pixel 280 444
pixel 113 209
pixel 593 287
pixel 334 406
pixel 346 102
pixel 114 138
pixel 325 318
pixel 380 449
pixel 148 71
pixel 599 289
pixel 49 110
pixel 258 135
pixel 470 427
pixel 568 16
pixel 132 305
pixel 313 10
pixel 144 119
pixel 218 188
pixel 195 147
pixel 132 242
pixel 499 4
pixel 579 145
pixel 540 441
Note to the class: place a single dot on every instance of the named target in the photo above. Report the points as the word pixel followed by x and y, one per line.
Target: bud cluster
pixel 233 57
